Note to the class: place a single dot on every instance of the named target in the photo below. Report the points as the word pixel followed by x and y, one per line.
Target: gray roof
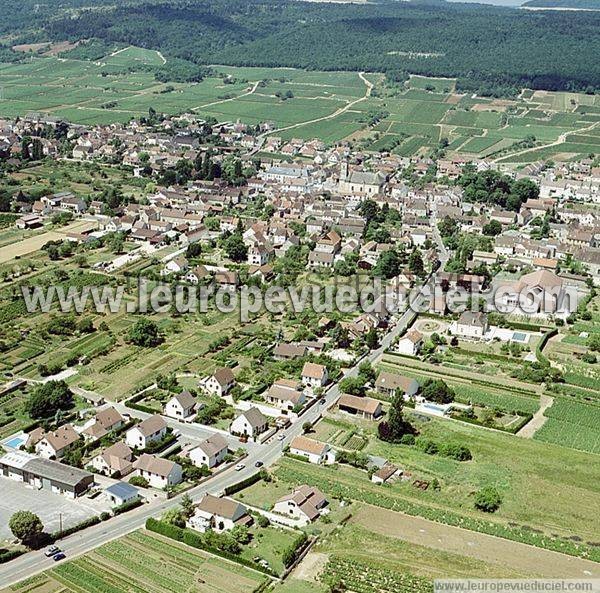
pixel 57 472
pixel 122 490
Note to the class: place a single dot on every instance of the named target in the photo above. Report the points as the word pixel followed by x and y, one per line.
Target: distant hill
pixel 581 4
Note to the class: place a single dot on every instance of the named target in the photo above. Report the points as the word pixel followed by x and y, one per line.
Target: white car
pixel 239 467
pixel 280 437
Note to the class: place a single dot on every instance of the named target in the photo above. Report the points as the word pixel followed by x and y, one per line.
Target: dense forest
pixel 490 50
pixel 588 4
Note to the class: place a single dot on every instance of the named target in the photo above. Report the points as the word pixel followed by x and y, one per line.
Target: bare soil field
pixel 492 550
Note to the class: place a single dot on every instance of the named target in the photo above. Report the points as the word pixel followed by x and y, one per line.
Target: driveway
pixel 47 506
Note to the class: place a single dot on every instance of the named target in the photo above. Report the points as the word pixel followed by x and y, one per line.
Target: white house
pixel 304 503
pixel 178 265
pixel 159 472
pixel 249 424
pixel 472 325
pixel 116 459
pixel 220 383
pixel 218 514
pixel 313 451
pixel 314 375
pixel 410 343
pixel 210 452
pixel 286 394
pixel 181 406
pixel 54 444
pixel 148 431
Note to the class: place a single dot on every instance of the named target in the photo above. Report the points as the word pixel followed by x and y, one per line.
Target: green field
pixel 142 562
pixel 572 424
pixel 416 118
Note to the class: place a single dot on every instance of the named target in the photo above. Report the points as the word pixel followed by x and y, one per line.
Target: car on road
pixel 281 436
pixel 59 556
pixel 51 551
pixel 258 464
pixel 322 401
pixel 239 467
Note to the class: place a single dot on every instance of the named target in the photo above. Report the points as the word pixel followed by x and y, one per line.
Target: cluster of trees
pixel 145 332
pixel 492 187
pixel 48 399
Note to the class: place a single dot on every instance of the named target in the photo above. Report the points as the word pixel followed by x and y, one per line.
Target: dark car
pixel 59 556
pixel 258 464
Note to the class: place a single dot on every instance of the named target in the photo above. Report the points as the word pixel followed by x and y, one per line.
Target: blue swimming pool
pixel 16 442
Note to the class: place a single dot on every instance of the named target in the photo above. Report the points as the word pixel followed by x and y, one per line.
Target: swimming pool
pixel 16 441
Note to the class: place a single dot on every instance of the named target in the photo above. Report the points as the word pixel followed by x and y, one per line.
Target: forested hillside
pixel 490 50
pixel 587 4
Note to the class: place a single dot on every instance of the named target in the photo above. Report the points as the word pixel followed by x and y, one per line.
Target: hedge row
pixel 80 526
pixel 8 555
pixel 195 540
pixel 243 484
pixel 128 506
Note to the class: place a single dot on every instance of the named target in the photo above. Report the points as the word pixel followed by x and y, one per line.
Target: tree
pixel 492 228
pixel 86 326
pixel 371 339
pixel 236 248
pixel 388 265
pixel 48 398
pixel 145 333
pixel 353 385
pixel 436 390
pixel 241 534
pixel 395 427
pixel 415 263
pixel 26 526
pixel 488 499
pixel 593 342
pixel 307 427
pixel 187 506
pixel 174 516
pixel 139 482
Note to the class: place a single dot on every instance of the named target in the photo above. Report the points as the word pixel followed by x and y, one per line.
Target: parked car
pixel 281 436
pixel 59 556
pixel 51 551
pixel 239 467
pixel 258 464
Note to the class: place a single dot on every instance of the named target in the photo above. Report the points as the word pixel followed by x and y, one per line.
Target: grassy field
pixel 544 486
pixel 143 562
pixel 415 118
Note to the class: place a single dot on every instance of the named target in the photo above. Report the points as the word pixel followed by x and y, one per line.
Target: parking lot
pixel 48 506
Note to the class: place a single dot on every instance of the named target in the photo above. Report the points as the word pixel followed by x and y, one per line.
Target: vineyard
pixel 139 563
pixel 572 424
pixel 363 578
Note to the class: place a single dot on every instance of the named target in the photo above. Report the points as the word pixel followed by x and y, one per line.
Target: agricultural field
pixel 308 104
pixel 541 484
pixel 143 562
pixel 572 424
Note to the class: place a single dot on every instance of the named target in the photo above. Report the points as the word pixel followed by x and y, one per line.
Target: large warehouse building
pixel 46 474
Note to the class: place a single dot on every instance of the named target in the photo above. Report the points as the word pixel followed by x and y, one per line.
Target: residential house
pixel 148 431
pixel 159 472
pixel 389 383
pixel 305 503
pixel 218 514
pixel 220 383
pixel 286 394
pixel 472 325
pixel 250 424
pixel 385 474
pixel 210 452
pixel 314 451
pixel 314 375
pixel 181 406
pixel 54 444
pixel 121 493
pixel 410 343
pixel 116 460
pixel 106 421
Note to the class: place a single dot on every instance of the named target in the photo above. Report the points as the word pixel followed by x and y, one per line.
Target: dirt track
pixel 493 550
